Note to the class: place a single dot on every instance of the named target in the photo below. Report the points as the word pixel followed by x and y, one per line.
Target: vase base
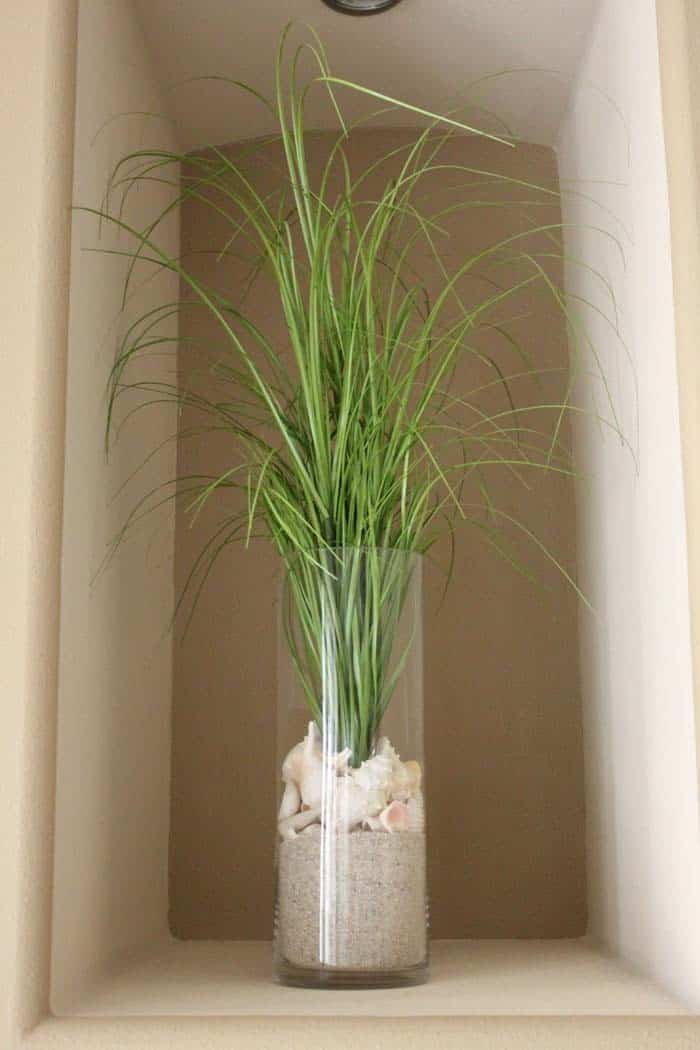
pixel 336 978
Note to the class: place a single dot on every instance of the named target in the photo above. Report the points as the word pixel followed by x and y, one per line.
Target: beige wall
pixel 396 53
pixel 115 662
pixel 639 724
pixel 501 682
pixel 36 129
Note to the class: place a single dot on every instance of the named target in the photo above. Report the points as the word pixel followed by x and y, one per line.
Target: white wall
pixel 110 884
pixel 642 838
pixel 429 54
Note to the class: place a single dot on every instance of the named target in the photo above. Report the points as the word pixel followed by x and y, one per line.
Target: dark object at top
pixel 360 7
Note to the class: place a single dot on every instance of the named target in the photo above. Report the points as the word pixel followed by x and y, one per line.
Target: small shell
pixel 311 784
pixel 289 827
pixel 386 750
pixel 373 824
pixel 376 802
pixel 405 776
pixel 291 801
pixel 292 767
pixel 395 817
pixel 414 772
pixel 341 761
pixel 310 772
pixel 348 805
pixel 374 774
pixel 406 780
pixel 352 804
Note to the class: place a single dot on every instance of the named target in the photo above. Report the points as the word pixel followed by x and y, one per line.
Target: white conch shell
pixel 303 767
pixel 292 767
pixel 349 804
pixel 311 779
pixel 405 776
pixel 291 801
pixel 375 774
pixel 371 789
pixel 289 827
pixel 395 817
pixel 303 772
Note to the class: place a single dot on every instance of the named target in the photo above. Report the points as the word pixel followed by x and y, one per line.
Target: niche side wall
pixel 115 663
pixel 504 752
pixel 642 832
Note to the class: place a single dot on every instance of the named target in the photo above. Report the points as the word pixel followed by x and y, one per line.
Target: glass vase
pixel 351 901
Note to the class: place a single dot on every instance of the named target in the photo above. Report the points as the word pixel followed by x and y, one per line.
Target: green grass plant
pixel 343 440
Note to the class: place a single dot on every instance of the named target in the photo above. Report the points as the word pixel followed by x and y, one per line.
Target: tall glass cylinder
pixel 351 907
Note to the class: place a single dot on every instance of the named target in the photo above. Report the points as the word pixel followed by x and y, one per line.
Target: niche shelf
pixel 467 979
pixel 112 956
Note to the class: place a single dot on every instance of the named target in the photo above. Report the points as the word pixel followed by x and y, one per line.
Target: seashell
pixel 311 779
pixel 415 773
pixel 376 801
pixel 289 827
pixel 416 812
pixel 291 801
pixel 315 766
pixel 353 804
pixel 311 782
pixel 373 824
pixel 341 761
pixel 406 780
pixel 401 784
pixel 395 817
pixel 349 804
pixel 292 767
pixel 405 776
pixel 375 774
pixel 350 798
pixel 386 750
pixel 303 767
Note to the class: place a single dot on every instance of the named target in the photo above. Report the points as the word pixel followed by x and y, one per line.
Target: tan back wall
pixel 503 720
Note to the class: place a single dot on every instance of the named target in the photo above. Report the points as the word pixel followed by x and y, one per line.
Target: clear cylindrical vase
pixel 351 903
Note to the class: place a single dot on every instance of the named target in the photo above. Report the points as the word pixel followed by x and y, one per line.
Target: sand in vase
pixel 370 889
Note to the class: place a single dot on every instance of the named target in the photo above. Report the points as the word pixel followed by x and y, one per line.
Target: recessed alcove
pixel 566 869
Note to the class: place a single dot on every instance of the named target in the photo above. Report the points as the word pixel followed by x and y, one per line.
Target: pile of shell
pixel 383 794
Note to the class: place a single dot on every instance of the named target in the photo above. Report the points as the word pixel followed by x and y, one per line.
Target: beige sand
pixel 374 900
